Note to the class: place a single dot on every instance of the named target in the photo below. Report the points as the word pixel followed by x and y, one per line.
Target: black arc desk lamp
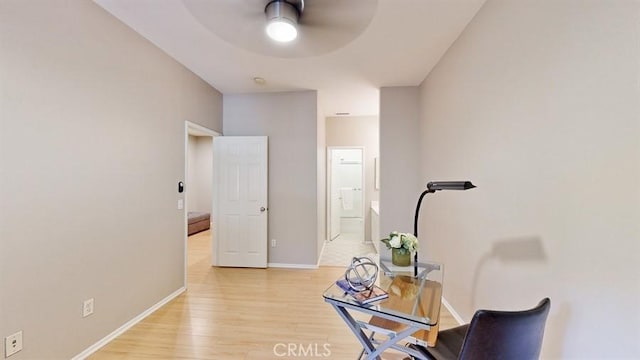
pixel 432 187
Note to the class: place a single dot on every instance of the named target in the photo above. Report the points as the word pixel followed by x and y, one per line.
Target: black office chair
pixel 506 335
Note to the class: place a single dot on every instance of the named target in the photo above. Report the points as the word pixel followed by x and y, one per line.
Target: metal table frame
pixel 372 348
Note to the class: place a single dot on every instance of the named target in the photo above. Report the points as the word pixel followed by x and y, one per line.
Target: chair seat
pixel 449 344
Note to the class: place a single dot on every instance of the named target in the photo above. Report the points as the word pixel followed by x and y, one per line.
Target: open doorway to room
pixel 198 195
pixel 346 193
pixel 352 147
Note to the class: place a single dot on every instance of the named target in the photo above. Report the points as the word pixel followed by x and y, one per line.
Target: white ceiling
pixel 402 43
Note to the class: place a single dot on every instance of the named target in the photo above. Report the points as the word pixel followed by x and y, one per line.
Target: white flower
pixel 395 241
pixel 407 243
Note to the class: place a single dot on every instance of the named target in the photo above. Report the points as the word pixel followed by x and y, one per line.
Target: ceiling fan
pixel 321 26
pixel 282 19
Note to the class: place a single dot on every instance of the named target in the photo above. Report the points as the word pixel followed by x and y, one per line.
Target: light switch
pixel 180 204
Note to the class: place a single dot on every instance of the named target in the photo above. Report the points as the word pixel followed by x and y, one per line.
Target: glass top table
pixel 410 311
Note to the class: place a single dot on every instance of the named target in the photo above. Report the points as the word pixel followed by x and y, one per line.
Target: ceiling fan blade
pixel 324 25
pixel 358 13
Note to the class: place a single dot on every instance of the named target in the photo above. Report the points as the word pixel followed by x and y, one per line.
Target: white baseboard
pixel 453 312
pixel 292 266
pixel 105 340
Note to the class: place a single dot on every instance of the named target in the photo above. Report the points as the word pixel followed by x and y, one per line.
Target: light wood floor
pixel 235 313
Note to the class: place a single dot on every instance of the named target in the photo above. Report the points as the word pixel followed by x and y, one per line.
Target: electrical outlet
pixel 12 344
pixel 87 307
pixel 273 243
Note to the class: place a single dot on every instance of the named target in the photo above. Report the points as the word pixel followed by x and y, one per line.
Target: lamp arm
pixel 415 219
pixel 415 229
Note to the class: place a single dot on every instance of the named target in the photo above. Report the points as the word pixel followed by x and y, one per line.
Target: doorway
pixel 346 189
pixel 198 170
pixel 345 206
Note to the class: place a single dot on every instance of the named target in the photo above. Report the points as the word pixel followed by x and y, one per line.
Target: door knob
pixel 262 209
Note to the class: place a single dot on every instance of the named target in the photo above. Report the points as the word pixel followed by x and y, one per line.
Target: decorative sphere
pixel 362 273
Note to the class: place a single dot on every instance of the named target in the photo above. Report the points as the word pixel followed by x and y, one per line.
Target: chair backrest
pixel 506 334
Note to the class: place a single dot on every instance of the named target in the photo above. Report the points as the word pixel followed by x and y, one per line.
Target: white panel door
pixel 240 201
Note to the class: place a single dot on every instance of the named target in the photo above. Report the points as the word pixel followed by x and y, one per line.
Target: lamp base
pixel 400 258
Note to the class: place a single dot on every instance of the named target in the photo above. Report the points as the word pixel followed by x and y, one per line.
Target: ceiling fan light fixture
pixel 282 18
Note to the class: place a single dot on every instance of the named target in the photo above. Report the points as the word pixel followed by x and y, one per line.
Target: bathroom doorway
pixel 346 193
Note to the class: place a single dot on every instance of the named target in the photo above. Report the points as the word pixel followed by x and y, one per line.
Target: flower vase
pixel 400 258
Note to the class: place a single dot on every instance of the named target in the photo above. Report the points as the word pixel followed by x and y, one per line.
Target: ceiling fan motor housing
pixel 282 9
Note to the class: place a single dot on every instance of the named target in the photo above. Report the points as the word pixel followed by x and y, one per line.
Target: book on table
pixel 363 297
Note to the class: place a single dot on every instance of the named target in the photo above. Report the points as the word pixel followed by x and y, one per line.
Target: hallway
pixel 342 249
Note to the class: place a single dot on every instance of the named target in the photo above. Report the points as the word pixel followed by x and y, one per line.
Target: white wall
pixel 192 159
pixel 358 131
pixel 321 171
pixel 400 184
pixel 290 121
pixel 89 208
pixel 538 104
pixel 200 173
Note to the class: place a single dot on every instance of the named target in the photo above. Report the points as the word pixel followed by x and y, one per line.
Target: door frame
pixel 328 191
pixel 191 128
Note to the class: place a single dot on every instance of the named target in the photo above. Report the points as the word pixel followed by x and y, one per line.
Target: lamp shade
pixel 449 185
